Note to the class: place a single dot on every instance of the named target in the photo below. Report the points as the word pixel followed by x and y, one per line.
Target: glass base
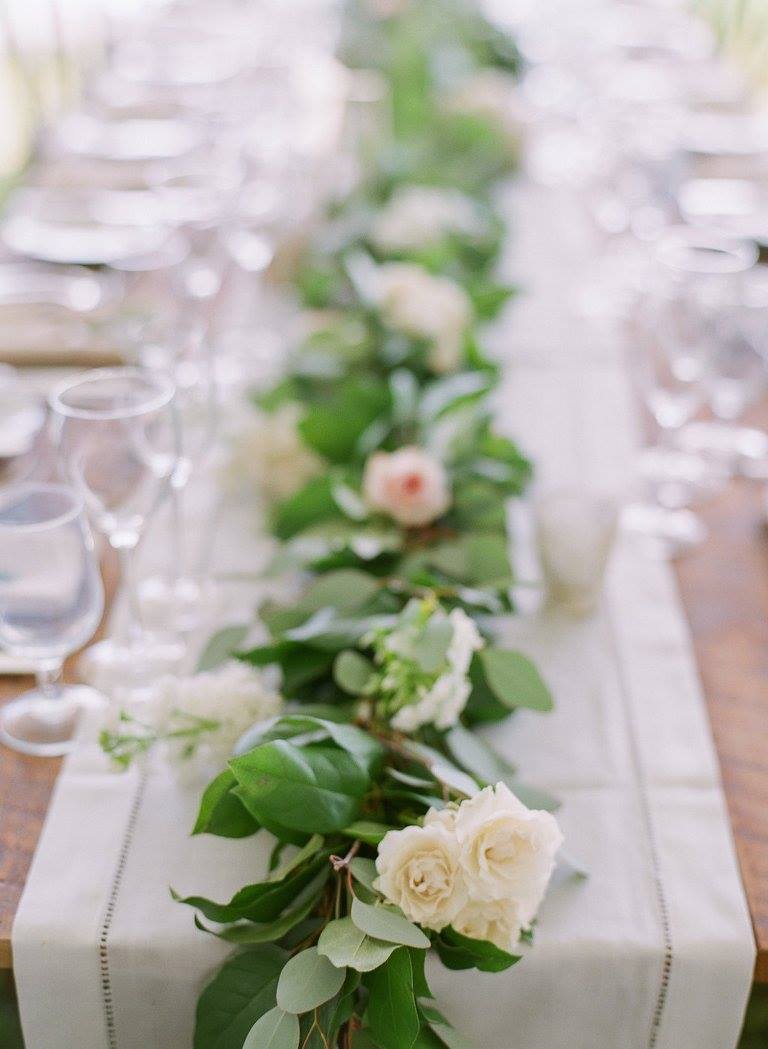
pixel 36 724
pixel 114 666
pixel 175 606
pixel 676 530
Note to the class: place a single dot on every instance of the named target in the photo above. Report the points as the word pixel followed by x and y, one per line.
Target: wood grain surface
pixel 25 789
pixel 724 586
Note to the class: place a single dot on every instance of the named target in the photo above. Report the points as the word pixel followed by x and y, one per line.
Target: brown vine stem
pixel 339 863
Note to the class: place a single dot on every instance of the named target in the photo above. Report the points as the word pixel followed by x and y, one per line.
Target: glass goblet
pixel 51 602
pixel 117 435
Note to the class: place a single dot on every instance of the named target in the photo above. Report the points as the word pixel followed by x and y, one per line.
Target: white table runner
pixel 653 951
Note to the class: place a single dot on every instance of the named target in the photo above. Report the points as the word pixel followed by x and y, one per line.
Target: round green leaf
pixel 308 980
pixel 514 680
pixel 344 944
pixel 385 924
pixel 275 1030
pixel 352 671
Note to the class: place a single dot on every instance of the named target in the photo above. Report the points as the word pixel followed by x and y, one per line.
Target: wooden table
pixel 724 585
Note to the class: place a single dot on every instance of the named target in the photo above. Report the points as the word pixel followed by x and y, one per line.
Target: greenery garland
pixel 406 831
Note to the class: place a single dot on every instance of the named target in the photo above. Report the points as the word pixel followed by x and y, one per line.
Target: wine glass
pixel 117 435
pixel 51 602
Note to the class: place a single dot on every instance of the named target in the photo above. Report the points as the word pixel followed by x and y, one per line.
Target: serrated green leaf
pixel 384 923
pixel 307 981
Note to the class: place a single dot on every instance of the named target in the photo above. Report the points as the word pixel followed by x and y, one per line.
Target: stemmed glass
pixel 51 602
pixel 117 436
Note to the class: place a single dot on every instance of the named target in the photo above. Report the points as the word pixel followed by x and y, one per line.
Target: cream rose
pixel 419 216
pixel 419 872
pixel 497 921
pixel 418 303
pixel 507 850
pixel 409 485
pixel 266 453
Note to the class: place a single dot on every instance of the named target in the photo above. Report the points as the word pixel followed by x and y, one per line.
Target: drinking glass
pixel 51 602
pixel 117 435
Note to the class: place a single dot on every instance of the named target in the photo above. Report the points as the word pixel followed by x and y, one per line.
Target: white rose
pixel 419 872
pixel 418 303
pixel 266 452
pixel 409 485
pixel 491 95
pixel 420 216
pixel 497 921
pixel 507 850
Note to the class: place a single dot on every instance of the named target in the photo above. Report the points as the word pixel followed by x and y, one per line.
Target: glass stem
pixel 132 625
pixel 49 678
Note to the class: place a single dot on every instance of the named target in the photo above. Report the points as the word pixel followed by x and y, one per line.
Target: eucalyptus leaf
pixel 274 1030
pixel 308 980
pixel 384 923
pixel 364 871
pixel 345 945
pixel 352 671
pixel 514 679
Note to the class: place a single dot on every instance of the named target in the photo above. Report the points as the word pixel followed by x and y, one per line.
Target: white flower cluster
pixel 409 485
pixel 427 697
pixel 415 302
pixel 482 868
pixel 220 703
pixel 421 216
pixel 266 452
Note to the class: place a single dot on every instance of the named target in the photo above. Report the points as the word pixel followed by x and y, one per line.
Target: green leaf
pixel 430 647
pixel 274 1030
pixel 367 830
pixel 383 923
pixel 334 428
pixel 364 871
pixel 440 1026
pixel 310 505
pixel 313 788
pixel 307 981
pixel 514 679
pixel 462 952
pixel 306 852
pixel 345 945
pixel 262 902
pixel 241 992
pixel 473 754
pixel 222 813
pixel 392 1014
pixel 344 590
pixel 270 932
pixel 453 392
pixel 221 646
pixel 352 671
pixel 443 769
pixel 367 751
